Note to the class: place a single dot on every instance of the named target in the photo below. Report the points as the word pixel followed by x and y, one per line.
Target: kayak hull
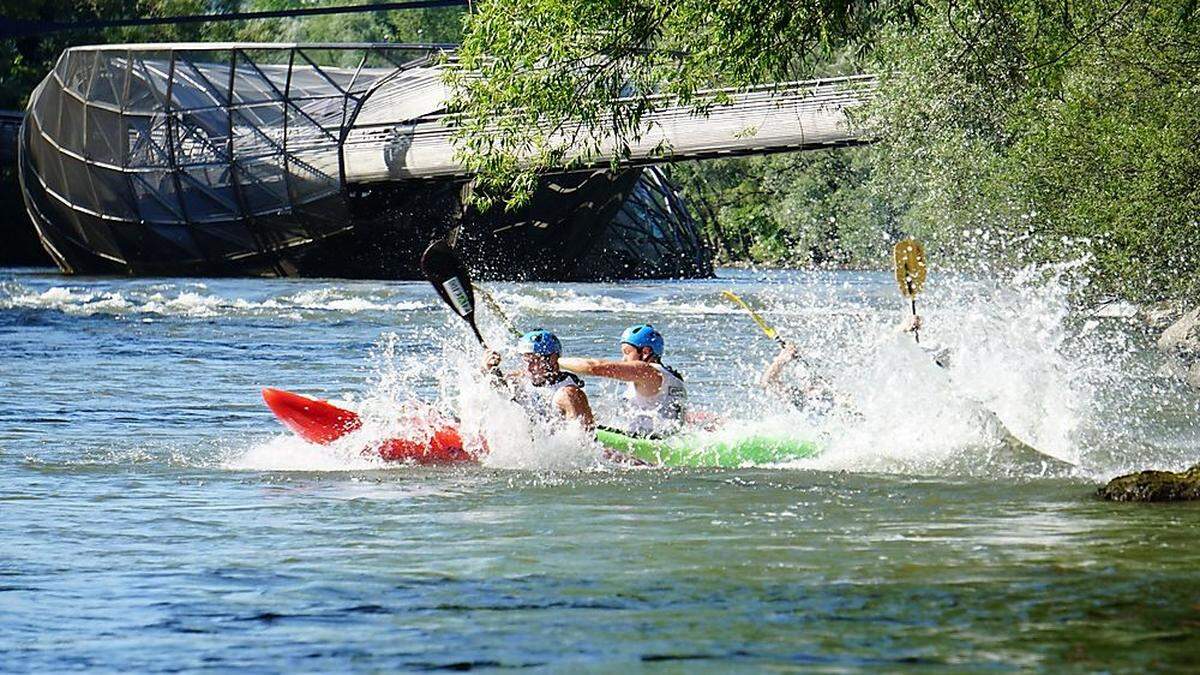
pixel 321 422
pixel 702 449
pixel 313 420
pixel 437 441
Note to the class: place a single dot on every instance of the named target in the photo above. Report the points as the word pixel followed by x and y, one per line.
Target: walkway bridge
pixel 242 158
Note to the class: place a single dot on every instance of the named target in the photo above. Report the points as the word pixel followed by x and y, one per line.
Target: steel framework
pixel 196 157
pixel 266 158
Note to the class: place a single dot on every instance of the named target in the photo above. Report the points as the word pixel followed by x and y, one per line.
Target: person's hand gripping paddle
pixel 773 334
pixel 452 282
pixel 910 272
pixel 766 328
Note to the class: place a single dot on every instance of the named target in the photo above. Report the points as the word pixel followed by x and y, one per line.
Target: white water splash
pixel 1020 353
pixel 192 301
pixel 291 453
pixel 491 424
pixel 1015 356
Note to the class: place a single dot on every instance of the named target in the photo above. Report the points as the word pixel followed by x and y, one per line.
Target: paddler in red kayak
pixel 542 387
pixel 656 398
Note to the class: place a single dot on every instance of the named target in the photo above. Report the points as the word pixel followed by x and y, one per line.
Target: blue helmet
pixel 541 342
pixel 643 336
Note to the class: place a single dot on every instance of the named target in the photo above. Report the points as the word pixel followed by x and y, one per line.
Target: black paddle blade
pixel 451 280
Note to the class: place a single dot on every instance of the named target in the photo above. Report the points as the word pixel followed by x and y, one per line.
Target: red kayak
pixel 321 422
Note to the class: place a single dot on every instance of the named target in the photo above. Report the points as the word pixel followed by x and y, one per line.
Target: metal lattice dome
pixel 271 159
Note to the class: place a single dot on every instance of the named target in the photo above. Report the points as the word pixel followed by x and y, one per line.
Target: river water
pixel 154 516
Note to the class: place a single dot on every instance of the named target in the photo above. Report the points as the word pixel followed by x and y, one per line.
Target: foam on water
pixel 191 301
pixel 291 453
pixel 548 301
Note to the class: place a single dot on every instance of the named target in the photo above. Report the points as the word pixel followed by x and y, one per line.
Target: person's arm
pixel 770 376
pixel 638 372
pixel 574 405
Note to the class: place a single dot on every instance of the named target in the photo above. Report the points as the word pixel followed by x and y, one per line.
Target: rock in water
pixel 1154 486
pixel 1182 337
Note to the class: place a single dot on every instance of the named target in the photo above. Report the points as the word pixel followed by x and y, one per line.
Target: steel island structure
pixel 337 160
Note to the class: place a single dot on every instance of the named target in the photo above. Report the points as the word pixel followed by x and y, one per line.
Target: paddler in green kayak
pixel 656 397
pixel 804 390
pixel 542 387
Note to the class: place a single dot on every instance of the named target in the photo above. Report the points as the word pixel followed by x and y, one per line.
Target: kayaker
pixel 542 387
pixel 656 398
pixel 803 390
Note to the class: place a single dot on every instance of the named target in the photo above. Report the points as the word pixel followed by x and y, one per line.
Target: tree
pixel 1010 130
pixel 539 78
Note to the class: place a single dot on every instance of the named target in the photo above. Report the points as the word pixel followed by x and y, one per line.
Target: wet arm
pixel 574 405
pixel 770 376
pixel 637 372
pixel 910 323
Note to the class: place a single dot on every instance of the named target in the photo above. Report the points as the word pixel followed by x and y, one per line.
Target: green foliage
pixel 412 26
pixel 801 209
pixel 1011 131
pixel 1058 136
pixel 25 61
pixel 548 81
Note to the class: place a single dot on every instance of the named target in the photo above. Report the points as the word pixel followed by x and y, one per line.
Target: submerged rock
pixel 1182 338
pixel 1154 486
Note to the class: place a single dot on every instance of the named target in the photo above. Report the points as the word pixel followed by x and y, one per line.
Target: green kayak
pixel 707 449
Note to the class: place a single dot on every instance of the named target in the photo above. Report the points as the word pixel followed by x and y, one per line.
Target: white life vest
pixel 662 413
pixel 539 399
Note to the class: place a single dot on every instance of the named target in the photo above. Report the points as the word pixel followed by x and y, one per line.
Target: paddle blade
pixel 452 282
pixel 449 277
pixel 737 300
pixel 910 266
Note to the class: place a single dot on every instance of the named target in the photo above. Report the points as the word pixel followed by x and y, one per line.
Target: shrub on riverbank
pixel 1012 131
pixel 1073 136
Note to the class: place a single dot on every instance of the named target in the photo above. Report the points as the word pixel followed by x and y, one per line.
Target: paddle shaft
pixel 916 332
pixel 470 319
pixel 495 307
pixel 767 329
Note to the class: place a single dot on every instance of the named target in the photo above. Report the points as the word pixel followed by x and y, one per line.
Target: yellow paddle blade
pixel 770 332
pixel 910 266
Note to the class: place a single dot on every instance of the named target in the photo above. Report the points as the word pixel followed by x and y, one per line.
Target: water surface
pixel 153 516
